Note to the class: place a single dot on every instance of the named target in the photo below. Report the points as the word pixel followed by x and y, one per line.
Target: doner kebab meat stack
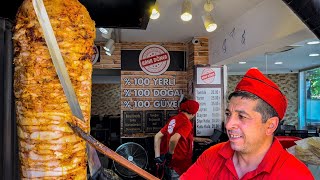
pixel 48 148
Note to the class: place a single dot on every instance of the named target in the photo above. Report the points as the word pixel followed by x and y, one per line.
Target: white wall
pixel 268 26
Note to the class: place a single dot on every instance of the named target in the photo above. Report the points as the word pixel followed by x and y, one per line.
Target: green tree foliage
pixel 314 76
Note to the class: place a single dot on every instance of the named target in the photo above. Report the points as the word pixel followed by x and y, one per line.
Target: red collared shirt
pixel 216 163
pixel 182 157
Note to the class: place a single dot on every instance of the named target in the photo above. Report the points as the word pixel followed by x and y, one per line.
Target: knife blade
pixel 57 58
pixel 111 154
pixel 94 163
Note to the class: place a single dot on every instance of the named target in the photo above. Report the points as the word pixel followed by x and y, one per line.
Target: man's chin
pixel 236 147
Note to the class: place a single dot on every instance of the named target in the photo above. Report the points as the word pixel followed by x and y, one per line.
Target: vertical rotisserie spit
pixel 48 148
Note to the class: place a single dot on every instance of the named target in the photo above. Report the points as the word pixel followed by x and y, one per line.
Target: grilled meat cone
pixel 48 148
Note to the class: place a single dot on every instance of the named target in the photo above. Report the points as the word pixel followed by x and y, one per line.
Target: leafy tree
pixel 314 76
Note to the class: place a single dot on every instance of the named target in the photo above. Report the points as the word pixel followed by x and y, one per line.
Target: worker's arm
pixel 202 141
pixel 173 142
pixel 157 141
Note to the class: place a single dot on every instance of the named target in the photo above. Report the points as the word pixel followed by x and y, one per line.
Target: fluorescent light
pixel 109 52
pixel 209 23
pixel 108 45
pixel 186 16
pixel 106 32
pixel 279 62
pixel 242 62
pixel 313 55
pixel 103 30
pixel 186 10
pixel 313 42
pixel 155 14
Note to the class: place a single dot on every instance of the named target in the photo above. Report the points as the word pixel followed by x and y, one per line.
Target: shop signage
pixel 132 122
pixel 208 91
pixel 208 75
pixel 154 121
pixel 162 90
pixel 154 60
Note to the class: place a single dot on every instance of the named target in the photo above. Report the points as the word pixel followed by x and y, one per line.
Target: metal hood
pixel 122 14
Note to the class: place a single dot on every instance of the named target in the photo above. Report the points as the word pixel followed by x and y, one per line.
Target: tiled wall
pixel 105 99
pixel 288 84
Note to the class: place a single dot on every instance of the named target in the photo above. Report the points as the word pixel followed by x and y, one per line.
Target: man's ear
pixel 272 124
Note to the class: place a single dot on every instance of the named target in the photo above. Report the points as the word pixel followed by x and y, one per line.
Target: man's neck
pixel 246 162
pixel 189 116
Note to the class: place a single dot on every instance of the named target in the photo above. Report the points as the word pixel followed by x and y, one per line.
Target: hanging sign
pixel 154 60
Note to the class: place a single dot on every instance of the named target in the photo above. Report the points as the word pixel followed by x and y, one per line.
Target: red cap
pixel 190 106
pixel 256 83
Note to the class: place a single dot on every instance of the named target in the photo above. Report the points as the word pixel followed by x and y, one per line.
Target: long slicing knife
pixel 111 154
pixel 58 62
pixel 57 58
pixel 95 167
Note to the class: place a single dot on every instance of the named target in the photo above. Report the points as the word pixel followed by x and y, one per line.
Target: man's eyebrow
pixel 243 113
pixel 238 111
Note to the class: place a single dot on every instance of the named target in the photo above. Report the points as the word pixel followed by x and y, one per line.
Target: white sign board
pixel 209 116
pixel 208 75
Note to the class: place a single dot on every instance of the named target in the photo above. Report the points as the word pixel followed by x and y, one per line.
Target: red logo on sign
pixel 208 75
pixel 154 60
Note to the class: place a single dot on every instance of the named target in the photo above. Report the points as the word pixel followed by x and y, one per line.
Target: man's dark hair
pixel 262 107
pixel 184 100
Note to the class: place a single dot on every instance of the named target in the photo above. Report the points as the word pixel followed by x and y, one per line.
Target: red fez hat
pixel 256 83
pixel 190 106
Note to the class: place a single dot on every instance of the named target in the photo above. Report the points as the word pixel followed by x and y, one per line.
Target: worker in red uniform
pixel 252 152
pixel 178 135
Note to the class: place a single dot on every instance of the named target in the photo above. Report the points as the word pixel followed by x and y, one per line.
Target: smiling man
pixel 252 152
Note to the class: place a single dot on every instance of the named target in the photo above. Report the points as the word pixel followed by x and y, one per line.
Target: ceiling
pixel 294 58
pixel 132 25
pixel 170 28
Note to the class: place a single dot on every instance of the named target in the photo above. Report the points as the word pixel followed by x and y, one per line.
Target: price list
pixel 209 116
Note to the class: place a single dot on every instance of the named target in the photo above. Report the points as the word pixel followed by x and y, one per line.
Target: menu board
pixel 209 116
pixel 132 122
pixel 154 121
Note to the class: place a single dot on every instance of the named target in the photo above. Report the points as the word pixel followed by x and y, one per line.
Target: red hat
pixel 190 106
pixel 256 83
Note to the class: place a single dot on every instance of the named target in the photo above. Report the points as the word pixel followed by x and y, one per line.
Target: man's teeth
pixel 235 136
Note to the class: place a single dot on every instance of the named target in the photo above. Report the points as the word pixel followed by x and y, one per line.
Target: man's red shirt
pixel 182 157
pixel 216 163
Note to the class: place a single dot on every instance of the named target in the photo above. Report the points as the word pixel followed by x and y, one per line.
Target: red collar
pixel 266 164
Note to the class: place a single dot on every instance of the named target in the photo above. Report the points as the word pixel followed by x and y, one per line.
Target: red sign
pixel 154 60
pixel 208 75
